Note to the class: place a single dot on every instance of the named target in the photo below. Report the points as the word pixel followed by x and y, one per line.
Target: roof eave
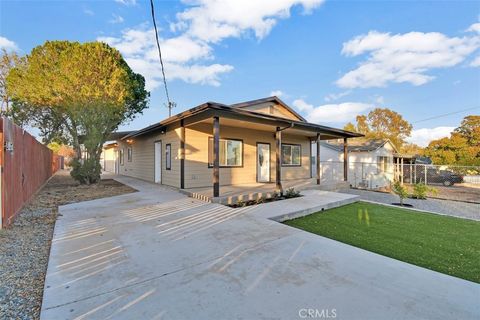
pixel 224 108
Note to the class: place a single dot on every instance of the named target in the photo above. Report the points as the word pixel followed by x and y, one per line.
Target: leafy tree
pixel 412 149
pixel 453 150
pixel 350 127
pixel 7 62
pixel 383 124
pixel 61 149
pixel 470 129
pixel 362 124
pixel 461 148
pixel 77 94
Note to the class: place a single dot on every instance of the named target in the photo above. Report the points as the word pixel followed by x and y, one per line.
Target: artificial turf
pixel 441 243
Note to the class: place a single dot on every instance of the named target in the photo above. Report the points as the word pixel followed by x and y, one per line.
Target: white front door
pixel 158 162
pixel 263 162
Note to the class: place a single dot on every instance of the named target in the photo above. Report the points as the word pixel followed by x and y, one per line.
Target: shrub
pixel 88 172
pixel 400 191
pixel 291 193
pixel 260 200
pixel 241 203
pixel 420 190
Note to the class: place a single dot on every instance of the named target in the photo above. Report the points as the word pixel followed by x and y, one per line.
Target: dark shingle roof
pixel 118 135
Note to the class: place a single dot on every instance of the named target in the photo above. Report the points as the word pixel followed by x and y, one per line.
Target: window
pixel 168 157
pixel 382 164
pixel 120 154
pixel 129 154
pixel 231 153
pixel 291 155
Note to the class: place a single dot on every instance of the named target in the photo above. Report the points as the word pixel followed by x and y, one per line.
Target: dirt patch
pixel 25 245
pixel 458 192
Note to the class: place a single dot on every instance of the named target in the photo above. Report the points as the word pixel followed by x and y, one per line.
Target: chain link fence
pixel 461 183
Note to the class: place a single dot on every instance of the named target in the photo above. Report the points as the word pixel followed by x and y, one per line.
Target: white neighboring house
pixel 110 158
pixel 370 162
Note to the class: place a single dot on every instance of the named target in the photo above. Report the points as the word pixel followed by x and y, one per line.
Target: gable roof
pixel 359 145
pixel 207 109
pixel 274 99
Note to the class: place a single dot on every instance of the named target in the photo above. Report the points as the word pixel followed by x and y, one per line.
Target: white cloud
pixel 127 2
pixel 116 19
pixel 188 54
pixel 404 57
pixel 277 93
pixel 88 12
pixel 213 20
pixel 331 113
pixel 379 99
pixel 475 62
pixel 336 96
pixel 183 57
pixel 7 44
pixel 423 136
pixel 474 28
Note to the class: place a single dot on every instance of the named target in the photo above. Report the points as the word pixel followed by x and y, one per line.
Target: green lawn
pixel 444 244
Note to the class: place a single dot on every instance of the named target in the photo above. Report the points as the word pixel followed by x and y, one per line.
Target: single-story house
pixel 370 162
pixel 213 145
pixel 108 159
pixel 109 156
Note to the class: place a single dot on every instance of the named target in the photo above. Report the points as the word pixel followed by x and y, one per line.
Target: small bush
pixel 420 191
pixel 291 193
pixel 400 191
pixel 260 200
pixel 87 172
pixel 241 203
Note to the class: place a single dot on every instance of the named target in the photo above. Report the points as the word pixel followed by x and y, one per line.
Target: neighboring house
pixel 110 157
pixel 214 145
pixel 370 162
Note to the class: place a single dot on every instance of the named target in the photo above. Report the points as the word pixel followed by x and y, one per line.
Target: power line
pixel 445 115
pixel 170 104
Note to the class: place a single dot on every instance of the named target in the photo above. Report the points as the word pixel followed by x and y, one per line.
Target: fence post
pixel 425 174
pixel 401 172
pixel 411 173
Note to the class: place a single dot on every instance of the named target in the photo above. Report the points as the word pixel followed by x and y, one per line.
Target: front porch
pixel 231 194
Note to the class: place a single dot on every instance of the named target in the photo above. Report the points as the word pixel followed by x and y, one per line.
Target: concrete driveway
pixel 157 254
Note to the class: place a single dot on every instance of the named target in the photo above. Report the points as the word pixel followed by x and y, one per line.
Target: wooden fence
pixel 25 166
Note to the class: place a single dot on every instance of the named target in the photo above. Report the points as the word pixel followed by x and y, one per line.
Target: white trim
pixel 158 162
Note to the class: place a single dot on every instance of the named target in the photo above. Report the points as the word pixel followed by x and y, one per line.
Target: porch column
pixel 317 163
pixel 401 171
pixel 216 157
pixel 278 167
pixel 182 155
pixel 345 160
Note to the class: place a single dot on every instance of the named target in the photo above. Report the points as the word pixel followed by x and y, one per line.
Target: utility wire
pixel 170 104
pixel 445 115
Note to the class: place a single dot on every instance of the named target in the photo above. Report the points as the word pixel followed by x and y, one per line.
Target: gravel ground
pixel 25 245
pixel 448 207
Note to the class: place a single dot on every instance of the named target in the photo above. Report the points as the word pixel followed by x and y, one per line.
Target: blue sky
pixel 330 60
